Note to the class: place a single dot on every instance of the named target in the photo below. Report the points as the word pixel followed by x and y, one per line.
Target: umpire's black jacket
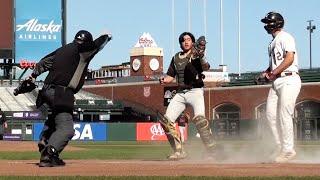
pixel 67 68
pixel 68 65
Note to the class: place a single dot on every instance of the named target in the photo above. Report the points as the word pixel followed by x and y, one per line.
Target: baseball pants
pixel 280 108
pixel 58 129
pixel 177 105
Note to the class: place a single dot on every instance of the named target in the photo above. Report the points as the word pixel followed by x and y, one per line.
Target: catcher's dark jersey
pixel 188 71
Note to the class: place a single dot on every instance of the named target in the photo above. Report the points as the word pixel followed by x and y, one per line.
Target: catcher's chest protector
pixel 180 65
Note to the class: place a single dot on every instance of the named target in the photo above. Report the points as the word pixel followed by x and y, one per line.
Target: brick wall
pixel 247 98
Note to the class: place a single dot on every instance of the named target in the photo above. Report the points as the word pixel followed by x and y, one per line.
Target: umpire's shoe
pixel 50 158
pixel 42 144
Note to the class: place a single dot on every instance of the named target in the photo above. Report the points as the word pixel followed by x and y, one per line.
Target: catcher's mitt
pixel 260 79
pixel 199 47
pixel 25 87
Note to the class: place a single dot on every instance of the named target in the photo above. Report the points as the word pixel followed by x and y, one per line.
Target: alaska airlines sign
pixel 38 29
pixel 34 29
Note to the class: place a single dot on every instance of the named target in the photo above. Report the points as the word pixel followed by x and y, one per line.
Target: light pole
pixel 310 28
pixel 221 31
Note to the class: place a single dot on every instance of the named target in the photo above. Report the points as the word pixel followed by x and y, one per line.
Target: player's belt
pixel 184 88
pixel 53 86
pixel 284 74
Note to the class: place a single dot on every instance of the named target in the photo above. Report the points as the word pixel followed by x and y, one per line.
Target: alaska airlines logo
pixel 33 25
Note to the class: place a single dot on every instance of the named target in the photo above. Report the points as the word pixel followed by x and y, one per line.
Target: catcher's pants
pixel 177 105
pixel 280 107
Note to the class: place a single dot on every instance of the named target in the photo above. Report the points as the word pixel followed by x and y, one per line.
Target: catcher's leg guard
pixel 171 133
pixel 202 125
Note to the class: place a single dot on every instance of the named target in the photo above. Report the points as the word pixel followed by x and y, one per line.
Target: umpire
pixel 67 68
pixel 3 119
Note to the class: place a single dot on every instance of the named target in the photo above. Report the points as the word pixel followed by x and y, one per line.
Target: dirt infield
pixel 155 168
pixel 147 167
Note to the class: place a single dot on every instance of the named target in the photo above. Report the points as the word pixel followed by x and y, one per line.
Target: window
pixel 226 121
pixel 263 130
pixel 104 117
pixel 95 117
pixel 87 118
pixel 227 111
pixel 307 120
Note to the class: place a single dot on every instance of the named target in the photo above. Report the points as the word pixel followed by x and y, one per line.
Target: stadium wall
pixel 247 98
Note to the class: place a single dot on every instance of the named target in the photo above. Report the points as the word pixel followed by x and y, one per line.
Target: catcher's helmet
pixel 273 21
pixel 83 36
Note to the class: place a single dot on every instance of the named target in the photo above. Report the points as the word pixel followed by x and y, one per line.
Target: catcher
pixel 187 66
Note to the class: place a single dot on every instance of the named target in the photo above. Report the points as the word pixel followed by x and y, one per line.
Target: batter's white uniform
pixel 284 92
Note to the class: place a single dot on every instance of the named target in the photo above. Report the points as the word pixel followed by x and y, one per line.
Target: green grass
pixel 113 150
pixel 157 177
pixel 25 155
pixel 137 150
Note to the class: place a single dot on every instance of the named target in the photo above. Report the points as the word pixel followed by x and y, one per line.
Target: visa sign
pixel 33 25
pixel 82 131
pixel 90 131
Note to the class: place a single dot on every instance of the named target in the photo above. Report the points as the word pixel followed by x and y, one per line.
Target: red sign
pixel 98 81
pixel 153 132
pixel 27 64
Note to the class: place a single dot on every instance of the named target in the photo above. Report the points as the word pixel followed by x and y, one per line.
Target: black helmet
pixel 83 36
pixel 273 20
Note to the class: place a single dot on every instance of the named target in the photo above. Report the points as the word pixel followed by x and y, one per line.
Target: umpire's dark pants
pixel 58 128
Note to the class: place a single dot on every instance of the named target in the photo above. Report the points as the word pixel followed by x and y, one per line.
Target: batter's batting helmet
pixel 273 21
pixel 83 36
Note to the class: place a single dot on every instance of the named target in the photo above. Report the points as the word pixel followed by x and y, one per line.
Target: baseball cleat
pixel 285 157
pixel 177 155
pixel 52 162
pixel 50 158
